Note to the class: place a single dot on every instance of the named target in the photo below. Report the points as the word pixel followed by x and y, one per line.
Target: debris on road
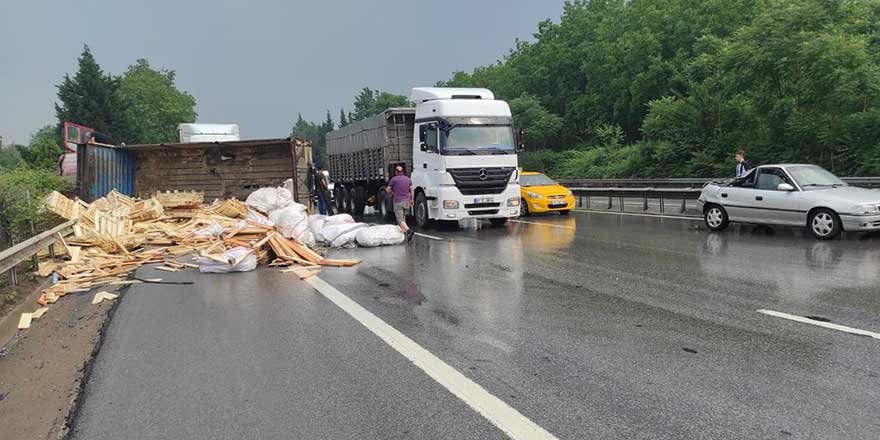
pixel 25 321
pixel 39 313
pixel 117 234
pixel 102 296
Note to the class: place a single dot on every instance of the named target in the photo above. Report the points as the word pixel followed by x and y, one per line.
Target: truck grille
pixel 481 205
pixel 483 212
pixel 472 181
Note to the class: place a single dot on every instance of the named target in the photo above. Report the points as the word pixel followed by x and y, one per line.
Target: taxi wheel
pixel 565 212
pixel 524 208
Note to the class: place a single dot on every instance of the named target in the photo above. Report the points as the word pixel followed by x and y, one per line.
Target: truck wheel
pixel 498 221
pixel 386 206
pixel 340 200
pixel 420 210
pixel 360 200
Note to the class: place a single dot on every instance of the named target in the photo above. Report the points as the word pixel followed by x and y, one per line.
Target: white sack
pixel 316 224
pixel 344 235
pixel 381 235
pixel 267 200
pixel 212 230
pixel 293 222
pixel 248 263
pixel 256 217
pixel 338 219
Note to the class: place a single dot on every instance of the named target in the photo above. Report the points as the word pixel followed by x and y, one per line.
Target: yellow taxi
pixel 541 194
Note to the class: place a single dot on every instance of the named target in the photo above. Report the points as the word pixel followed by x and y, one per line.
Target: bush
pixel 22 191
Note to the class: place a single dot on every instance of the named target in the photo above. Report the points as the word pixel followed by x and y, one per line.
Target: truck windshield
pixel 478 139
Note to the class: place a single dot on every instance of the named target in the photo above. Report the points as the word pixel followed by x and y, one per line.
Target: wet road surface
pixel 591 326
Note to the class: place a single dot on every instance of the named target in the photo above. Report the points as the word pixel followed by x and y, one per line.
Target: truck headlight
pixel 534 195
pixel 450 204
pixel 867 209
pixel 513 202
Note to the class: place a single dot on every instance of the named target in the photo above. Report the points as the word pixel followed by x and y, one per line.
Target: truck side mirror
pixel 521 143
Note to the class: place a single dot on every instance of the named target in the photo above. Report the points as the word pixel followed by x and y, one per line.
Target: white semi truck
pixel 458 146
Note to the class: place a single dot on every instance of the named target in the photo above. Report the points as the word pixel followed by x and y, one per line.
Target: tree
pixel 9 157
pixel 44 149
pixel 90 99
pixel 372 102
pixel 342 119
pixel 153 104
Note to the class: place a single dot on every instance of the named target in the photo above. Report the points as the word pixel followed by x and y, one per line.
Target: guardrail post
pixel 589 203
pixel 610 204
pixel 645 205
pixel 683 205
pixel 621 203
pixel 580 201
pixel 13 278
pixel 662 205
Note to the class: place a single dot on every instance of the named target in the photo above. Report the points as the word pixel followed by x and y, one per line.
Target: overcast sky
pixel 254 62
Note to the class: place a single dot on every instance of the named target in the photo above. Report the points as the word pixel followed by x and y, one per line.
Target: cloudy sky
pixel 254 62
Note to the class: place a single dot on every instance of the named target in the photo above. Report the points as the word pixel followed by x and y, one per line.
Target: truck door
pixel 426 158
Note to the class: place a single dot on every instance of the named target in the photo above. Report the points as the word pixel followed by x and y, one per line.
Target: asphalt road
pixel 590 326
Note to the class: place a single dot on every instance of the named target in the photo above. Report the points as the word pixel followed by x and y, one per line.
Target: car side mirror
pixel 784 187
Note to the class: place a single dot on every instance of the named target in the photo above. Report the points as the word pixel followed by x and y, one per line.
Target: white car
pixel 792 195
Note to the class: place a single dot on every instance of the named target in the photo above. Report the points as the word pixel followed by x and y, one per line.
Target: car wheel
pixel 824 224
pixel 523 208
pixel 564 212
pixel 420 210
pixel 716 218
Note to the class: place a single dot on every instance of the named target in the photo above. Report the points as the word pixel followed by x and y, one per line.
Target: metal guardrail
pixel 662 194
pixel 866 182
pixel 9 258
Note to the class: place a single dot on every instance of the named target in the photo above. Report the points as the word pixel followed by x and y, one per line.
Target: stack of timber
pixel 117 234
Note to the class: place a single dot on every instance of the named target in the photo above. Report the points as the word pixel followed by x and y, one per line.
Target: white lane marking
pixel 679 217
pixel 500 414
pixel 804 320
pixel 428 236
pixel 544 224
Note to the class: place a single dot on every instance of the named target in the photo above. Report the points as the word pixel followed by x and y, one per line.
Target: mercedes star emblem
pixel 484 174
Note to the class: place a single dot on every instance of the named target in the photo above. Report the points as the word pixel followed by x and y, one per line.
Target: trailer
pixel 362 157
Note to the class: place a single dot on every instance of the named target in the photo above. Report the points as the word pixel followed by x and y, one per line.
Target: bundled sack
pixel 293 222
pixel 247 264
pixel 316 224
pixel 267 200
pixel 344 235
pixel 338 219
pixel 256 217
pixel 380 235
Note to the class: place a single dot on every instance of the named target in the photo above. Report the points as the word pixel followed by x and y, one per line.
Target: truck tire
pixel 340 199
pixel 386 206
pixel 420 210
pixel 360 200
pixel 498 221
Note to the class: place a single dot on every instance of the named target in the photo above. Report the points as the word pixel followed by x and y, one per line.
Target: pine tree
pixel 90 99
pixel 342 120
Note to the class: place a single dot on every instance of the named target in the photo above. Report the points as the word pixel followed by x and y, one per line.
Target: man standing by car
pixel 400 187
pixel 742 167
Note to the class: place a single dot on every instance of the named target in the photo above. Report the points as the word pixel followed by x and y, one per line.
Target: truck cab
pixel 464 156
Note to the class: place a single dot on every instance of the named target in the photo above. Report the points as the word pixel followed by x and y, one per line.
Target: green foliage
pixel 11 297
pixel 9 157
pixel 343 121
pixel 90 99
pixel 316 133
pixel 22 191
pixel 372 102
pixel 44 149
pixel 153 104
pixel 673 87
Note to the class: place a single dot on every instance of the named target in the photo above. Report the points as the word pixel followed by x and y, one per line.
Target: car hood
pixel 850 194
pixel 547 190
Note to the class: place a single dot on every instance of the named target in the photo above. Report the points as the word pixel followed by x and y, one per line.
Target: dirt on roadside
pixel 42 368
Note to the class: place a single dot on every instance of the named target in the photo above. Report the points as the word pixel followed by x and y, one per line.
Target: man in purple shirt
pixel 401 188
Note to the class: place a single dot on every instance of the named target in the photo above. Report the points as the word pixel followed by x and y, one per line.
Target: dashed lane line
pixel 499 413
pixel 428 236
pixel 832 326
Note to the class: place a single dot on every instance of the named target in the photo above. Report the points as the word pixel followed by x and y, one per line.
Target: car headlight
pixel 534 195
pixel 513 202
pixel 450 204
pixel 570 194
pixel 867 209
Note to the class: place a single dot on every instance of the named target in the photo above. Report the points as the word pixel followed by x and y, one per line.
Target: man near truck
pixel 400 187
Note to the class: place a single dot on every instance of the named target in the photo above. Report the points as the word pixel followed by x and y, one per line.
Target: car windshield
pixel 535 180
pixel 460 139
pixel 813 177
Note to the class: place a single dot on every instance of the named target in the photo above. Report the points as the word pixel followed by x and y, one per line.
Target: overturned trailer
pixel 220 170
